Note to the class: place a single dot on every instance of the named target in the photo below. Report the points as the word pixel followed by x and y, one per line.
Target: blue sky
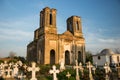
pixel 19 19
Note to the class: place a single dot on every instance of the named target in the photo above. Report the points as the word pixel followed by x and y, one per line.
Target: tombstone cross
pixel 54 72
pixel 21 76
pixel 77 72
pixel 15 70
pixel 118 71
pixel 107 70
pixel 68 75
pixel 81 68
pixel 34 69
pixel 8 72
pixel 90 66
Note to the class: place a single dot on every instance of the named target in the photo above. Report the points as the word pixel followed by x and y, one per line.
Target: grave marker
pixel 54 72
pixel 90 66
pixel 34 69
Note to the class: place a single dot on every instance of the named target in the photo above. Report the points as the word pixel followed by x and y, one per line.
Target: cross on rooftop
pixel 34 69
pixel 54 72
pixel 68 75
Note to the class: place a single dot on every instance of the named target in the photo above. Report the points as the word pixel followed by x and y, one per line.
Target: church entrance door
pixel 67 57
pixel 52 56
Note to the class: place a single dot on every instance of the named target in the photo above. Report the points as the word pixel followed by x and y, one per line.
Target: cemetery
pixel 24 71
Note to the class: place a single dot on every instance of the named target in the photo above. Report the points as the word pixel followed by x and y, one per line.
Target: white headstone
pixel 77 71
pixel 107 70
pixel 20 63
pixel 2 70
pixel 68 75
pixel 34 69
pixel 54 72
pixel 15 70
pixel 118 70
pixel 90 66
pixel 21 76
pixel 62 64
pixel 81 68
pixel 8 72
pixel 5 64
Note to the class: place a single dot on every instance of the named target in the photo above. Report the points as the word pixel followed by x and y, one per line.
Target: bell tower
pixel 48 20
pixel 74 26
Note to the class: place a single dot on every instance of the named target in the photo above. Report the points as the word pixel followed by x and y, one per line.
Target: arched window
pixel 52 56
pixel 67 57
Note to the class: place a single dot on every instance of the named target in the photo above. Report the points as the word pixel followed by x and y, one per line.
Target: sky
pixel 19 19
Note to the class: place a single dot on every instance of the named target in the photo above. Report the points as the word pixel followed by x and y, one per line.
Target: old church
pixel 49 47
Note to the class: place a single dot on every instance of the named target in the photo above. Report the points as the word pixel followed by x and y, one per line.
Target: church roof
pixel 106 51
pixel 68 33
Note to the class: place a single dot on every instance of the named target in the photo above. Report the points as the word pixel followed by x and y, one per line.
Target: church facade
pixel 49 47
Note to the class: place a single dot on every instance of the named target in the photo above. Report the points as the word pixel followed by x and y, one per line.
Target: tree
pixel 12 54
pixel 89 56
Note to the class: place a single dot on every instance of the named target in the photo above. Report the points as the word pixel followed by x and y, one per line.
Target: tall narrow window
pixel 50 19
pixel 77 25
pixel 118 59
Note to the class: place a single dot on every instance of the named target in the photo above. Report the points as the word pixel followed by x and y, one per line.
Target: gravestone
pixel 21 76
pixel 77 71
pixel 81 68
pixel 2 70
pixel 90 66
pixel 15 70
pixel 118 71
pixel 68 75
pixel 62 64
pixel 54 72
pixel 33 69
pixel 20 63
pixel 107 70
pixel 9 70
pixel 93 69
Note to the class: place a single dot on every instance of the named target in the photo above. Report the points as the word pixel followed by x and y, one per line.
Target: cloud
pixel 106 40
pixel 13 34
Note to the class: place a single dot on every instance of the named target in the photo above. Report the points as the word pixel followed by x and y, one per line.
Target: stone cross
pixel 10 65
pixel 93 69
pixel 20 63
pixel 68 75
pixel 21 76
pixel 118 71
pixel 77 71
pixel 62 64
pixel 15 70
pixel 8 72
pixel 5 64
pixel 81 68
pixel 25 66
pixel 54 72
pixel 34 69
pixel 2 69
pixel 90 66
pixel 107 70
